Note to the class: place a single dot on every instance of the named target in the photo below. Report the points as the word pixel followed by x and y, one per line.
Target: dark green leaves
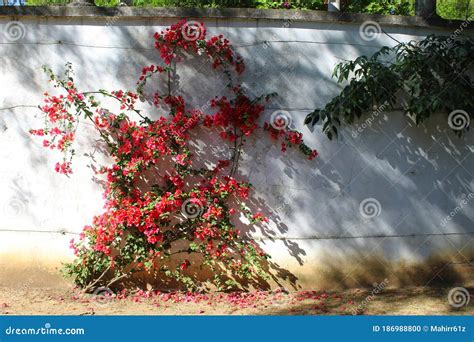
pixel 434 75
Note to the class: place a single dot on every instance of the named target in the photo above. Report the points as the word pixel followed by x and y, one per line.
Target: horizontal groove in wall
pixel 376 236
pixel 256 44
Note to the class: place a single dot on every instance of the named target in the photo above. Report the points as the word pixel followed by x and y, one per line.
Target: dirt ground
pixel 407 301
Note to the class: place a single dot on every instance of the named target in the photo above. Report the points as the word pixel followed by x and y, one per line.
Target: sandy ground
pixel 407 301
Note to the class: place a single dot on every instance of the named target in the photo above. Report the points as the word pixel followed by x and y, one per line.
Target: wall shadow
pixel 418 175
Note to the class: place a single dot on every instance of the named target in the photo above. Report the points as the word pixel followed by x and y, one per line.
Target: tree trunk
pixel 425 8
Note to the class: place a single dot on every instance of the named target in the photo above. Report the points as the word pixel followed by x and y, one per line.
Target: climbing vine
pixel 164 215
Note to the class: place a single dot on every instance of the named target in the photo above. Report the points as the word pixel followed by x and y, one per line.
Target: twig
pixel 88 287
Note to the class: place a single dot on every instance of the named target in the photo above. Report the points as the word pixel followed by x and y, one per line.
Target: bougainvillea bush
pixel 163 215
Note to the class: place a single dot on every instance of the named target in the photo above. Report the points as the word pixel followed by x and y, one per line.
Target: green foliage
pixel 396 7
pixel 100 3
pixel 46 2
pixel 449 9
pixel 431 74
pixel 295 4
pixel 455 9
pixel 195 3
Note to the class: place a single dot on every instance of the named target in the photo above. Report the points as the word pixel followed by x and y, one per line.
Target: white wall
pixel 419 175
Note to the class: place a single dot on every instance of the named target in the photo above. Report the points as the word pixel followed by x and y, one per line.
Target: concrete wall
pixel 416 176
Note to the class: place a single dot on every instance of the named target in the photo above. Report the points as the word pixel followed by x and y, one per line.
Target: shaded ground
pixel 407 301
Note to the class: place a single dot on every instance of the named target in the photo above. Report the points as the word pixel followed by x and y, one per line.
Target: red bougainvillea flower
pixel 184 265
pixel 159 206
pixel 64 168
